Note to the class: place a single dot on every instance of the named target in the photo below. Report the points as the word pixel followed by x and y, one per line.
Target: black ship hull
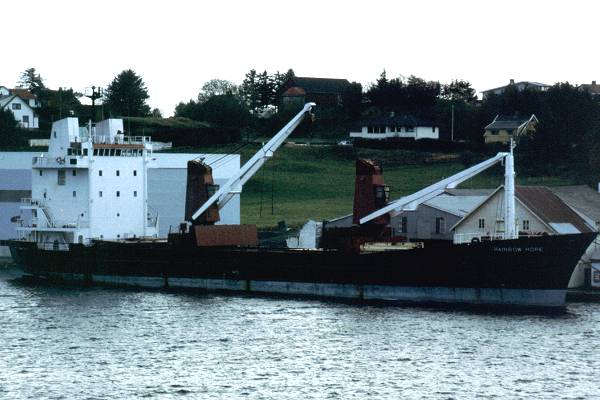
pixel 522 272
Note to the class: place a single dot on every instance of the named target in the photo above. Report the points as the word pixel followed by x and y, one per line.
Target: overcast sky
pixel 178 45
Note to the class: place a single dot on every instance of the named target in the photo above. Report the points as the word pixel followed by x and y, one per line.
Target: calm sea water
pixel 74 343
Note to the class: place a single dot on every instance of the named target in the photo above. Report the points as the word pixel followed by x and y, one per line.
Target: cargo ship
pixel 366 261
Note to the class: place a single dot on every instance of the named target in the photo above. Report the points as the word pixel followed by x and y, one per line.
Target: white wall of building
pixel 167 176
pixel 117 207
pixel 22 111
pixel 492 215
pixel 419 132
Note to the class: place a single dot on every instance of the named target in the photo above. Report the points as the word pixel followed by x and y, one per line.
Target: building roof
pixel 23 93
pixel 470 192
pixel 544 204
pixel 549 207
pixel 456 205
pixel 510 122
pixel 294 91
pixel 320 85
pixel 397 120
pixel 591 88
pixel 521 83
pixel 582 199
pixel 6 100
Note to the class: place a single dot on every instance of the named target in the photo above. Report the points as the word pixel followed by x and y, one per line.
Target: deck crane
pixel 234 184
pixel 412 201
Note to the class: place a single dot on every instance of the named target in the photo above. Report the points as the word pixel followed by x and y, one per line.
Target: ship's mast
pixel 510 226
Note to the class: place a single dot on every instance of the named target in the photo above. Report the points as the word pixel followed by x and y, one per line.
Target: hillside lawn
pixel 317 182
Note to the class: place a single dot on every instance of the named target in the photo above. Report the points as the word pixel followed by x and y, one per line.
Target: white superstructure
pixel 91 184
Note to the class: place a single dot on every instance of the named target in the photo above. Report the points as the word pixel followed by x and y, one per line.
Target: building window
pixel 62 177
pixel 118 194
pixel 440 225
pixel 16 106
pixel 100 173
pixel 118 172
pixel 481 223
pixel 433 129
pixel 526 224
pixel 135 193
pixel 54 134
pixel 74 193
pixel 25 119
pixel 100 193
pixel 403 225
pixel 74 172
pixel 41 172
pixel 134 172
pixel 410 129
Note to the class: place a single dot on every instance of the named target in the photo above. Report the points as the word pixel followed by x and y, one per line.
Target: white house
pixel 21 103
pixel 395 127
pixel 538 211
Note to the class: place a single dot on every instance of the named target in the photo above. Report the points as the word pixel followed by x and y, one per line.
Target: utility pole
pixel 93 93
pixel 452 132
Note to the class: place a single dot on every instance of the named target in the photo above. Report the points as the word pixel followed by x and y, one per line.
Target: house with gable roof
pixel 519 86
pixel 326 92
pixel 538 211
pixel 504 127
pixel 21 103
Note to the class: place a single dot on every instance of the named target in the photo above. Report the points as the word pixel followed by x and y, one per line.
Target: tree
pixel 126 95
pixel 57 104
pixel 216 87
pixel 9 130
pixel 31 80
pixel 225 111
pixel 458 90
pixel 156 113
pixel 249 92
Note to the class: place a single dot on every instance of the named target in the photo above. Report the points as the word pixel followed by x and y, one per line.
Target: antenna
pixel 93 93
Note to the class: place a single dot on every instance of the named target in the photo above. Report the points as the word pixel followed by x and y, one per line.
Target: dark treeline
pixel 566 141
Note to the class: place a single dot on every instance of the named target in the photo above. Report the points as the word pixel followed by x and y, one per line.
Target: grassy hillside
pixel 317 182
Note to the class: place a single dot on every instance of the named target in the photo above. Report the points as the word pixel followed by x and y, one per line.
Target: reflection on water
pixel 59 342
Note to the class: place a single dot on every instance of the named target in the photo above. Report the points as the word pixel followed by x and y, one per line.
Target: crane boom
pixel 410 202
pixel 235 183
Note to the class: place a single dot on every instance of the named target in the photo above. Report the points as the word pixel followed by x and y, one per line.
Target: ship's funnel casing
pixel 370 192
pixel 200 187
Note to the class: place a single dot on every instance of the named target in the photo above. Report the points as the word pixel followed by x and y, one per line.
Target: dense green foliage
pixel 10 134
pixel 126 96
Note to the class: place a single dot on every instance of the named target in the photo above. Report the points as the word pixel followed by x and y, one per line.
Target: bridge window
pixel 134 172
pixel 100 173
pixel 74 193
pixel 100 193
pixel 41 173
pixel 74 172
pixel 118 173
pixel 135 193
pixel 118 193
